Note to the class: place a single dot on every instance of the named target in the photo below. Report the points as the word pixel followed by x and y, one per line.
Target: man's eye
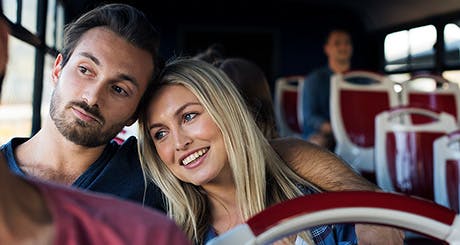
pixel 189 116
pixel 119 90
pixel 83 69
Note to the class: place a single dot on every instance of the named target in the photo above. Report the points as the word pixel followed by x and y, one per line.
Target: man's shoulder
pixel 7 149
pixel 319 72
pixel 110 218
pixel 13 142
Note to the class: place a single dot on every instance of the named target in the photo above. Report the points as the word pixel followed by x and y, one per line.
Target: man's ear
pixel 326 49
pixel 57 68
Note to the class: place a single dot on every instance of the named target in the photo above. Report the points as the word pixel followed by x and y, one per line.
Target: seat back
pixel 356 98
pixel 447 170
pixel 401 211
pixel 286 105
pixel 431 92
pixel 404 150
pixel 126 132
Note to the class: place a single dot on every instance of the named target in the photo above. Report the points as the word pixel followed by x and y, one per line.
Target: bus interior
pixel 397 39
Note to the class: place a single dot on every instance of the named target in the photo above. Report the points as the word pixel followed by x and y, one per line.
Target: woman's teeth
pixel 194 156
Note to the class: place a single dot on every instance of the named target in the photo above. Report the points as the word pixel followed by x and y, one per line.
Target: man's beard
pixel 78 131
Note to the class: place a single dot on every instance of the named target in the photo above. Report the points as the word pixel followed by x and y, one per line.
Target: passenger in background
pixel 251 82
pixel 35 212
pixel 193 140
pixel 316 90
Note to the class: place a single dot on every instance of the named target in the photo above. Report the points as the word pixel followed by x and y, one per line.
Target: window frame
pixel 38 42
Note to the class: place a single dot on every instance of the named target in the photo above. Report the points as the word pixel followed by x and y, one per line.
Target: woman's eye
pixel 159 135
pixel 189 116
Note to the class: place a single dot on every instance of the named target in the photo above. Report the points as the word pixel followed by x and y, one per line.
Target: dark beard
pixel 78 131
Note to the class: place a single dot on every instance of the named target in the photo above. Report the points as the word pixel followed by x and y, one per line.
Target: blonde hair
pixel 261 178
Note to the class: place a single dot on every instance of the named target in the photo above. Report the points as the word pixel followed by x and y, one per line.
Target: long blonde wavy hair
pixel 261 178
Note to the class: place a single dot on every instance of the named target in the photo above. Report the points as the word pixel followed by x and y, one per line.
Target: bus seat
pixel 287 105
pixel 391 209
pixel 447 170
pixel 431 92
pixel 126 132
pixel 404 149
pixel 356 98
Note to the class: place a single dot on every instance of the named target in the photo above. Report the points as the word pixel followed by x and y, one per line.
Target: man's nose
pixel 92 95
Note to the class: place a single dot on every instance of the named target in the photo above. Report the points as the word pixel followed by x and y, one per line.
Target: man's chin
pixel 85 139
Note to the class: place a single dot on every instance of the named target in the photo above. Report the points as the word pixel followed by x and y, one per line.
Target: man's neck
pixel 339 66
pixel 24 215
pixel 50 156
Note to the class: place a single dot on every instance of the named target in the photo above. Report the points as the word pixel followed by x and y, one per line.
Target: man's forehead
pixel 102 47
pixel 339 34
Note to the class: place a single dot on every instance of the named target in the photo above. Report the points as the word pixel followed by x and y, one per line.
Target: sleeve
pixel 310 103
pixel 345 234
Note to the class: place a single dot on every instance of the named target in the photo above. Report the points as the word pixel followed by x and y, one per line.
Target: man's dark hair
pixel 126 21
pixel 336 29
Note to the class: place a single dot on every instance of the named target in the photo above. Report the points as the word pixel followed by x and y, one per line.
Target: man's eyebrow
pixel 121 76
pixel 125 77
pixel 91 57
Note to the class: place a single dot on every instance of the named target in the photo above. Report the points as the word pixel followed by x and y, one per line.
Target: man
pixel 316 89
pixel 34 212
pixel 99 79
pixel 107 61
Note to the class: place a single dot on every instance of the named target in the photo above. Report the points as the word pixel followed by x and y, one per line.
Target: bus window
pixel 55 24
pixel 9 9
pixel 17 118
pixel 410 49
pixel 47 86
pixel 29 15
pixel 16 105
pixel 452 50
pixel 452 43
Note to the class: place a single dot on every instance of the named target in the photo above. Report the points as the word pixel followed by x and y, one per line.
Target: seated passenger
pixel 251 82
pixel 316 90
pixel 199 143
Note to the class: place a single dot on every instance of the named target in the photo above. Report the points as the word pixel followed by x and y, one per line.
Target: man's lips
pixel 85 116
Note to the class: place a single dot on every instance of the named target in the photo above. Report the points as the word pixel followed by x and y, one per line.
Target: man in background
pixel 316 90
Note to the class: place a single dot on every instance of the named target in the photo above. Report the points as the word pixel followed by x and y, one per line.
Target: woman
pixel 200 145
